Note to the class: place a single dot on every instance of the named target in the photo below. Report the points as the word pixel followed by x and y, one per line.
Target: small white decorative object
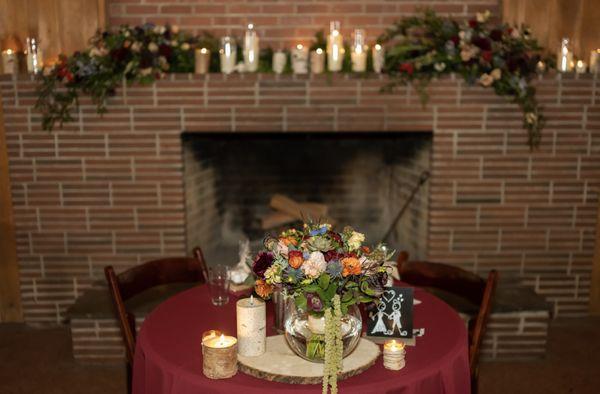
pixel 335 47
pixel 251 49
pixel 564 63
pixel 393 355
pixel 202 61
pixel 378 58
pixel 34 56
pixel 359 54
pixel 595 61
pixel 317 61
pixel 241 271
pixel 300 59
pixel 580 67
pixel 279 61
pixel 251 326
pixel 228 55
pixel 9 62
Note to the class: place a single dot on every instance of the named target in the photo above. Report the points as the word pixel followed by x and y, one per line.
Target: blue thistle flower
pixel 334 269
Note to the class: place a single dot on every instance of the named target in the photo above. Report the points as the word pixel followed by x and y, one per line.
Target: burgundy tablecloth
pixel 168 356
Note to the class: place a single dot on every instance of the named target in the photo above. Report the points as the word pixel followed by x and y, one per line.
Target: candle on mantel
pixel 580 67
pixel 9 62
pixel 202 61
pixel 279 61
pixel 378 58
pixel 317 61
pixel 564 62
pixel 595 61
pixel 300 59
pixel 359 55
pixel 393 355
pixel 251 49
pixel 228 55
pixel 219 357
pixel 335 47
pixel 251 316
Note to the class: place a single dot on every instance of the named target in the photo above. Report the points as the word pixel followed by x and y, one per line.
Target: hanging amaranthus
pixel 333 346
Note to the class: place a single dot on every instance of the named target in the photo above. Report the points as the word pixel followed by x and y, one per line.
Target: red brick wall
pixel 110 190
pixel 284 22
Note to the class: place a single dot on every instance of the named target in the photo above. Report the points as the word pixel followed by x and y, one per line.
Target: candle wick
pixel 251 299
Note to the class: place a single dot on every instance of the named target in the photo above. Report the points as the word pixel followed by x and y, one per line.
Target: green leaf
pixel 324 281
pixel 301 302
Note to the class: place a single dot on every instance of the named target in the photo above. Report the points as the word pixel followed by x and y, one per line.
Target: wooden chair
pixel 459 282
pixel 143 277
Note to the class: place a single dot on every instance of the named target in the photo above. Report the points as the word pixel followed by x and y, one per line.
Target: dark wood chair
pixel 460 283
pixel 142 277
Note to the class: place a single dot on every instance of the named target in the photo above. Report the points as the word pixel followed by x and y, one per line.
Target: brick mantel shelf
pixel 110 189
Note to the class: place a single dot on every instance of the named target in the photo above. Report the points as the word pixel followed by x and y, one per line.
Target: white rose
pixel 146 71
pixel 439 67
pixel 159 29
pixel 486 79
pixel 136 46
pixel 152 47
pixel 185 46
pixel 482 17
pixel 515 33
pixel 496 73
pixel 315 265
pixel 356 240
pixel 531 118
pixel 467 53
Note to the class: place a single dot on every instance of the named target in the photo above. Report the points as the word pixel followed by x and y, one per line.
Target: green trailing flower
pixel 333 346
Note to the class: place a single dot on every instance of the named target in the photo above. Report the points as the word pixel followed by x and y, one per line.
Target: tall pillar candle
pixel 595 61
pixel 202 61
pixel 251 326
pixel 378 58
pixel 335 47
pixel 251 49
pixel 359 55
pixel 279 61
pixel 300 59
pixel 228 55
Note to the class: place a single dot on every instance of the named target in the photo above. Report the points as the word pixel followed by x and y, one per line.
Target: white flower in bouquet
pixel 152 47
pixel 467 53
pixel 315 265
pixel 146 71
pixel 486 79
pixel 136 46
pixel 483 16
pixel 159 29
pixel 175 29
pixel 174 43
pixel 496 73
pixel 356 240
pixel 185 46
pixel 282 249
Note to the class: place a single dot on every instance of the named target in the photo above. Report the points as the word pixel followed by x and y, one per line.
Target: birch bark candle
pixel 317 61
pixel 219 357
pixel 10 63
pixel 300 59
pixel 378 58
pixel 393 355
pixel 251 49
pixel 335 47
pixel 251 326
pixel 279 61
pixel 202 61
pixel 359 55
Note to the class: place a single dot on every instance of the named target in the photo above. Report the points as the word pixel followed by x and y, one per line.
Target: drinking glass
pixel 218 284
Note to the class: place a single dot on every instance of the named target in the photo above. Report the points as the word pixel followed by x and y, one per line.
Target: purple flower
pixel 262 262
pixel 313 302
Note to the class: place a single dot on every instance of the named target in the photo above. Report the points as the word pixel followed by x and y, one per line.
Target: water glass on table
pixel 218 284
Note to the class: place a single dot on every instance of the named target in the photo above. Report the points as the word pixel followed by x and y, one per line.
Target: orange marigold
pixel 289 241
pixel 351 266
pixel 263 289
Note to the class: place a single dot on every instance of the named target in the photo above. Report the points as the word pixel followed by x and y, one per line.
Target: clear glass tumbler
pixel 218 284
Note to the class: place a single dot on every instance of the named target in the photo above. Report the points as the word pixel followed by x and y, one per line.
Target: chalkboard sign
pixel 393 315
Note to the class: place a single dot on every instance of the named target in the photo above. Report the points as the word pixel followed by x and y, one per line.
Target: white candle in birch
pixel 251 326
pixel 378 58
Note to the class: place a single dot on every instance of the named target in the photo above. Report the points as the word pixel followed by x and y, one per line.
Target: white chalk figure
pixel 380 325
pixel 395 316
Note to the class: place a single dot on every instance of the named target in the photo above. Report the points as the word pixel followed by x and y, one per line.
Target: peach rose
pixel 289 241
pixel 263 289
pixel 296 259
pixel 351 266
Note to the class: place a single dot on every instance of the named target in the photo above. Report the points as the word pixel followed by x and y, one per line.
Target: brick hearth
pixel 109 190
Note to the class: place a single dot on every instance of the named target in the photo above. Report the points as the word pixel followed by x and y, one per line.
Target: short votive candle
pixel 317 61
pixel 393 355
pixel 580 67
pixel 202 61
pixel 219 357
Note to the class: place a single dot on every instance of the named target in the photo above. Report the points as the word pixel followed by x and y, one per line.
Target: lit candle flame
pixel 299 46
pixel 203 50
pixel 319 51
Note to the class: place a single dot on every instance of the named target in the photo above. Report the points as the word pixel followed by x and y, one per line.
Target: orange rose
pixel 296 259
pixel 351 266
pixel 289 241
pixel 366 249
pixel 263 289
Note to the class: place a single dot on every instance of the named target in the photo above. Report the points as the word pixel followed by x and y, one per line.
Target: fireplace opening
pixel 364 180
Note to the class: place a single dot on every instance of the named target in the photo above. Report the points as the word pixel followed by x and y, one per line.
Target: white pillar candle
pixel 359 54
pixel 251 326
pixel 317 61
pixel 279 61
pixel 335 47
pixel 300 59
pixel 202 61
pixel 251 49
pixel 378 58
pixel 580 67
pixel 393 355
pixel 564 62
pixel 9 62
pixel 227 55
pixel 34 56
pixel 595 61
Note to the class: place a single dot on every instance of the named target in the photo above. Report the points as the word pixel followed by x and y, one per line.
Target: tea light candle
pixel 378 58
pixel 359 55
pixel 279 61
pixel 300 59
pixel 393 355
pixel 219 357
pixel 317 61
pixel 335 47
pixel 9 62
pixel 251 326
pixel 227 55
pixel 595 61
pixel 202 61
pixel 251 49
pixel 580 67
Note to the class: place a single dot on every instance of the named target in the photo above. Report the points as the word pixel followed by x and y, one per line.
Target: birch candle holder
pixel 202 61
pixel 393 355
pixel 317 61
pixel 219 357
pixel 279 61
pixel 251 326
pixel 378 58
pixel 300 59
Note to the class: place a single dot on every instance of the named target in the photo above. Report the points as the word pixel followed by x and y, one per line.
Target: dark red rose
pixel 332 255
pixel 262 262
pixel 455 40
pixel 483 43
pixel 496 35
pixel 473 23
pixel 165 50
pixel 487 56
pixel 335 236
pixel 120 54
pixel 407 68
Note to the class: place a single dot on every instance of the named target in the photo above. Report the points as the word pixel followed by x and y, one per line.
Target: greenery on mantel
pixel 418 49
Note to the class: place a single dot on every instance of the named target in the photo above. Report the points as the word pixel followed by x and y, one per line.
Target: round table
pixel 168 355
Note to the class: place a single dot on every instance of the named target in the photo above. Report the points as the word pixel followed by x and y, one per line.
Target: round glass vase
pixel 305 333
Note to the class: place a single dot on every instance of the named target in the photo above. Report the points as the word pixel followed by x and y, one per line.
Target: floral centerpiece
pixel 327 274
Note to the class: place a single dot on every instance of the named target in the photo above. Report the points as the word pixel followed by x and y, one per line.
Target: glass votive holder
pixel 228 55
pixel 393 355
pixel 218 284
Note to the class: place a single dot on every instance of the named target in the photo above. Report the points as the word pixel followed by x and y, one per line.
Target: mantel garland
pixel 418 49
